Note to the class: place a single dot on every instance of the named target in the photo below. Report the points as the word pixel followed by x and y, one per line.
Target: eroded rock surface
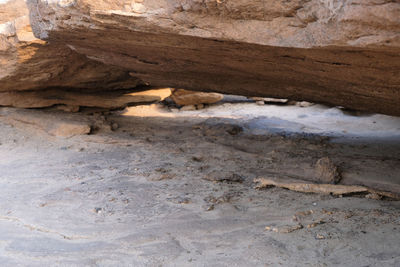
pixel 46 98
pixel 185 97
pixel 337 52
pixel 344 53
pixel 28 63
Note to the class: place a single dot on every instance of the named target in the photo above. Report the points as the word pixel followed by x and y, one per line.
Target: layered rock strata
pixel 338 52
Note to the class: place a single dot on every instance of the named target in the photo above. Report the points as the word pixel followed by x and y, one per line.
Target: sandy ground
pixel 169 188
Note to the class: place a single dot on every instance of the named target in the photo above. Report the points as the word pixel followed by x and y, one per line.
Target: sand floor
pixel 174 188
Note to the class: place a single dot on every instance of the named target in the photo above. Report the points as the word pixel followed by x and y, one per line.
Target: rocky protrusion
pixel 185 97
pixel 344 53
pixel 103 99
pixel 28 63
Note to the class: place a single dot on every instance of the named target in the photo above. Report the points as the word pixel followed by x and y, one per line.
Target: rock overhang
pixel 343 53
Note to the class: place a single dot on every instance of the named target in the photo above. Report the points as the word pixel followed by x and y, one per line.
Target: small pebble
pixel 210 207
pixel 114 126
pixel 319 236
pixel 188 108
pixel 200 106
pixel 97 210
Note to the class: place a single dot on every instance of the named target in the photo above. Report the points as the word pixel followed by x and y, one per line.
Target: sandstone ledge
pixel 344 53
pixel 339 53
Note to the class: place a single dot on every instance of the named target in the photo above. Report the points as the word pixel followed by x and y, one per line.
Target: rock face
pixel 337 52
pixel 28 63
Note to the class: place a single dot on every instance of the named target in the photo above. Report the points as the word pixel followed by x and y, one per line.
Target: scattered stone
pixel 314 224
pixel 284 229
pixel 260 103
pixel 209 207
pixel 97 210
pixel 269 100
pixel 225 198
pixel 200 106
pixel 326 171
pixel 275 100
pixel 306 187
pixel 180 200
pixel 373 196
pixel 114 126
pixel 304 104
pixel 188 108
pixel 329 212
pixel 300 214
pixel 185 97
pixel 304 213
pixel 319 236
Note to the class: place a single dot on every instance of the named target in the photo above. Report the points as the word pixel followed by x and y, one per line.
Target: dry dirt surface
pixel 155 186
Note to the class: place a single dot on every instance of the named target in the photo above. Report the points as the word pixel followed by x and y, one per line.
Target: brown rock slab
pixel 28 63
pixel 185 97
pixel 48 98
pixel 343 53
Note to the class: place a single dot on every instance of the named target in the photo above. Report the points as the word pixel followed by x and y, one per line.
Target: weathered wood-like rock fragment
pixel 47 98
pixel 343 53
pixel 28 63
pixel 333 189
pixel 185 97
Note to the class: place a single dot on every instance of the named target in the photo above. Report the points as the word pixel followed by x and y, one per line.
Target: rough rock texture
pixel 46 98
pixel 326 171
pixel 337 52
pixel 185 97
pixel 28 63
pixel 52 123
